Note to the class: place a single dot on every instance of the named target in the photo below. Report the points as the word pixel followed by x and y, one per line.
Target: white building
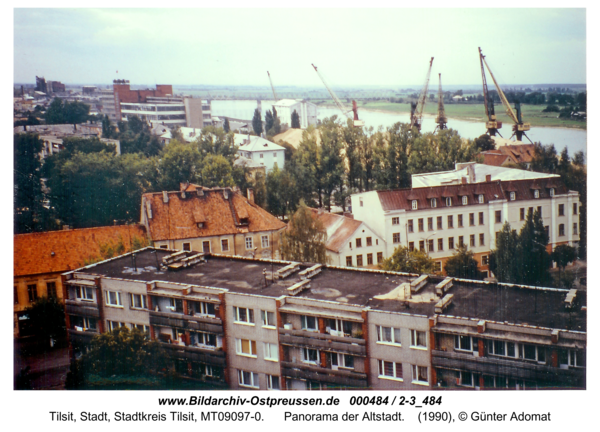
pixel 260 151
pixel 307 111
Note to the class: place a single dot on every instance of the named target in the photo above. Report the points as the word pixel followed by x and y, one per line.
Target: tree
pixel 257 123
pixel 268 120
pixel 485 143
pixel 304 239
pixel 60 112
pixel 295 120
pixel 275 202
pixel 216 171
pixel 108 130
pixel 462 264
pixel 330 165
pixel 179 163
pixel 47 318
pixel 226 126
pixel 407 261
pixel 564 254
pixel 502 259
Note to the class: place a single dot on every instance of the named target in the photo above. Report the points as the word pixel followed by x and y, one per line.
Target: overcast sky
pixel 389 47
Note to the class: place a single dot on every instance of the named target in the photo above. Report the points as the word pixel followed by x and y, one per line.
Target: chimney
pixel 225 193
pixel 471 172
pixel 464 180
pixel 250 193
pixel 165 197
pixel 488 178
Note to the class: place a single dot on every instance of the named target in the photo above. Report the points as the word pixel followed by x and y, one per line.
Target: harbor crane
pixel 441 118
pixel 272 87
pixel 416 109
pixel 355 121
pixel 492 125
pixel 519 128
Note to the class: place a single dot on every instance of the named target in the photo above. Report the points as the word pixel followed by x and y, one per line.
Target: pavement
pixel 48 367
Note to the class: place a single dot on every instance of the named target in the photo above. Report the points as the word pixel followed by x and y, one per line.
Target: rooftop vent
pixel 418 283
pixel 443 303
pixel 165 197
pixel 443 286
pixel 284 272
pixel 200 192
pixel 297 288
pixel 310 272
pixel 570 298
pixel 225 194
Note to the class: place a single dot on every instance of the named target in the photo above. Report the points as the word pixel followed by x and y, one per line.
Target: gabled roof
pixel 495 158
pixel 251 143
pixel 59 251
pixel 339 228
pixel 221 211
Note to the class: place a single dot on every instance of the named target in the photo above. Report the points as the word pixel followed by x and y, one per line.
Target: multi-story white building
pixel 439 218
pixel 261 151
pixel 307 111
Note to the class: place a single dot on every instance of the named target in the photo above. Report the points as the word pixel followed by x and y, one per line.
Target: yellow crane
pixel 416 109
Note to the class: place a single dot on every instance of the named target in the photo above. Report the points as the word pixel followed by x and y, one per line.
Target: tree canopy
pixel 462 264
pixel 407 261
pixel 295 120
pixel 304 239
pixel 66 112
pixel 257 122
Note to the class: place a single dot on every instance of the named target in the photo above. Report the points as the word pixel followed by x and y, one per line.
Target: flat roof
pixel 534 306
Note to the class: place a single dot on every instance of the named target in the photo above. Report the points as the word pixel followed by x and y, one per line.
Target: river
pixel 574 139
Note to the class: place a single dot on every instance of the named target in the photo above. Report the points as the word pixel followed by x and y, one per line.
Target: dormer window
pixel 480 198
pixel 433 202
pixel 465 200
pixel 244 221
pixel 551 192
pixel 414 205
pixel 536 193
pixel 449 202
pixel 200 224
pixel 513 196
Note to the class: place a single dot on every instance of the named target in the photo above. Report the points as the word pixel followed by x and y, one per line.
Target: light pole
pixel 426 239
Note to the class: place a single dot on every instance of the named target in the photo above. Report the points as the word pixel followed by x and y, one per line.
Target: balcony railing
pixel 316 373
pixel 81 337
pixel 209 356
pixel 191 322
pixel 323 341
pixel 87 309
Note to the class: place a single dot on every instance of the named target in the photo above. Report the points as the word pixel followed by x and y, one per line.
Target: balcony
pixel 323 341
pixel 196 354
pixel 80 308
pixel 191 322
pixel 316 373
pixel 81 337
pixel 492 365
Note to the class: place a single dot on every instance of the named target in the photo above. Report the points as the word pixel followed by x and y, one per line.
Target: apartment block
pixel 244 323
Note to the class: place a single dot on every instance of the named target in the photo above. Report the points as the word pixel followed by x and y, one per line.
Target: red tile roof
pixel 178 218
pixel 339 228
pixel 495 158
pixel 33 252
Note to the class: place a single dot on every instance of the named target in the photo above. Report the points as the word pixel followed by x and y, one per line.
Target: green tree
pixel 304 239
pixel 564 254
pixel 485 142
pixel 304 165
pixel 276 123
pixel 55 114
pixel 47 318
pixel 179 163
pixel 60 112
pixel 226 126
pixel 216 171
pixel 108 129
pixel 259 184
pixel 407 261
pixel 502 259
pixel 275 200
pixel 330 165
pixel 462 264
pixel 215 141
pixel 295 120
pixel 268 120
pixel 257 123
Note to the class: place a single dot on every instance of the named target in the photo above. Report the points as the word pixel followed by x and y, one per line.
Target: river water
pixel 574 139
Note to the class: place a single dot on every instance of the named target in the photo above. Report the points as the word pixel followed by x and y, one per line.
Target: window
pixel 465 200
pixel 513 196
pixel 309 323
pixel 338 327
pixel 339 360
pixel 243 315
pixel 51 289
pixel 358 242
pixel 561 209
pixel 410 226
pixel 388 335
pixel 465 343
pixel 430 224
pixel 274 154
pixel 16 295
pixel 203 308
pixel 498 216
pixel 480 218
pixel 472 240
pixel 430 245
pixel 522 213
pixel 530 210
pixel 224 245
pixel 206 247
pixel 440 244
pixel 141 327
pixel 348 261
pixel 574 229
pixel 420 225
pixel 396 237
pixel 273 382
pixel 85 323
pixel 32 292
pixel 359 261
pixel 437 266
pixel 450 242
pixel 467 379
pixel 245 347
pixel 113 298
pixel 414 205
pixel 369 241
pixel 551 192
pixel 433 202
pixel 481 239
pixel 264 241
pixel 439 222
pixel 268 319
pixel 138 301
pixel 361 202
pixel 539 210
pixel 422 245
pixel 418 339
pixel 448 202
pixel 461 242
pixel 380 257
pixel 249 243
pixel 485 260
pixel 547 230
pixel 261 156
pixel 419 374
pixel 480 199
pixel 571 358
pixel 561 230
pixel 248 379
pixel 389 369
pixel 450 221
pixel 396 221
pixel 164 246
pixel 460 221
pixel 536 193
pixel 411 246
pixel 204 339
pixel 310 355
pixel 113 325
pixel 271 351
pixel 187 247
pixel 471 219
pixel 175 305
pixel 574 208
pixel 370 259
pixel 83 293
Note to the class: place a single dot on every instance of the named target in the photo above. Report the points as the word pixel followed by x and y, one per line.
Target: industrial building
pixel 307 111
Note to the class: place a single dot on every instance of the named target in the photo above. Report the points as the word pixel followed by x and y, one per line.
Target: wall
pixel 22 301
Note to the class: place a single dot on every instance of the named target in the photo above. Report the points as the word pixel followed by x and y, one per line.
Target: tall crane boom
pixel 272 87
pixel 491 124
pixel 441 119
pixel 354 117
pixel 417 111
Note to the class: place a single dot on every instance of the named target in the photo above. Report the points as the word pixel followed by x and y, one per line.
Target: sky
pixel 351 47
